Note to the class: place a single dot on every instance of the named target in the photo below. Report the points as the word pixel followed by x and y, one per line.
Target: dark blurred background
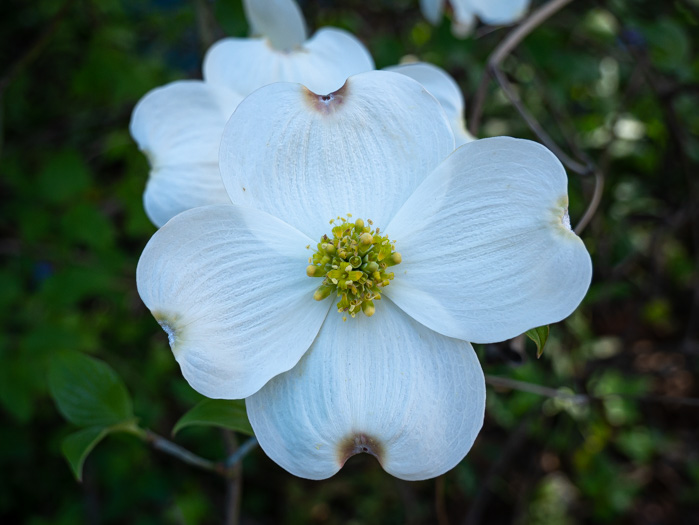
pixel 617 80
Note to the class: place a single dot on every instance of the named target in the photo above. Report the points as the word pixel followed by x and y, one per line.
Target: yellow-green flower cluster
pixel 353 262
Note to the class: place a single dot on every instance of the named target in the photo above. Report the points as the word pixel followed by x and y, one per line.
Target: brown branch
pixel 224 468
pixel 493 70
pixel 439 504
pixel 181 453
pixel 594 203
pixel 545 391
pixel 505 48
pixel 207 26
pixel 233 482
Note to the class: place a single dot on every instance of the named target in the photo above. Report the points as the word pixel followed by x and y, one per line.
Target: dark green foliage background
pixel 619 78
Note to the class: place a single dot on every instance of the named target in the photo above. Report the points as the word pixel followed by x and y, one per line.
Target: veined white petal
pixel 445 89
pixel 182 122
pixel 280 21
pixel 228 284
pixel 496 12
pixel 432 10
pixel 322 64
pixel 486 243
pixel 385 385
pixel 173 189
pixel 361 150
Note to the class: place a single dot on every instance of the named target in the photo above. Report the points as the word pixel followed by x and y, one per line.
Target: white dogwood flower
pixel 492 12
pixel 472 245
pixel 179 126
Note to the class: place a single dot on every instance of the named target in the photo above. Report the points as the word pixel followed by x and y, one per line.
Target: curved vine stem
pixel 494 71
pixel 224 468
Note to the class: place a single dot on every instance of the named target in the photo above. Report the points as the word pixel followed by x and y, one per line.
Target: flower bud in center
pixel 353 262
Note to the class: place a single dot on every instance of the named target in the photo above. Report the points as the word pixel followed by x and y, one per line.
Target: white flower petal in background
pixel 486 243
pixel 179 128
pixel 182 122
pixel 307 159
pixel 492 12
pixel 463 19
pixel 445 89
pixel 173 189
pixel 228 285
pixel 497 12
pixel 322 63
pixel 432 10
pixel 385 385
pixel 280 21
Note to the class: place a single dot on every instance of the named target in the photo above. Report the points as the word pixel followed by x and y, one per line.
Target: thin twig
pixel 532 388
pixel 233 483
pixel 502 50
pixel 545 391
pixel 207 26
pixel 594 203
pixel 167 446
pixel 223 468
pixel 241 452
pixel 439 504
pixel 498 56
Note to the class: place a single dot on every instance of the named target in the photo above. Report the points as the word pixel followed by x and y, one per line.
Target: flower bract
pixel 486 253
pixel 492 12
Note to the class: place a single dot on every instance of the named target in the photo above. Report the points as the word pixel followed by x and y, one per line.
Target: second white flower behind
pixel 179 126
pixel 492 12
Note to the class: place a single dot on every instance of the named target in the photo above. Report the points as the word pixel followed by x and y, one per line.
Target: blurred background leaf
pixel 87 391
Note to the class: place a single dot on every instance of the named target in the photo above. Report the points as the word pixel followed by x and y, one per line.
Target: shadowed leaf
pixel 224 413
pixel 78 445
pixel 87 391
pixel 539 336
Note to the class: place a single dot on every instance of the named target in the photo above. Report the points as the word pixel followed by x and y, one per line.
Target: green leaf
pixel 87 391
pixel 230 414
pixel 539 336
pixel 64 177
pixel 78 445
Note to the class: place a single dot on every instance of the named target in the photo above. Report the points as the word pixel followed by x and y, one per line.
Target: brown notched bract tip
pixel 329 103
pixel 359 444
